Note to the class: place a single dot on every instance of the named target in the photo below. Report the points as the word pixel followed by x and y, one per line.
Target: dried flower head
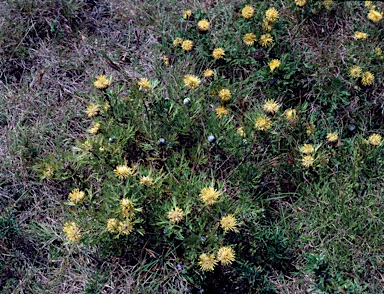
pixel 175 215
pixel 92 110
pixel 203 25
pixel 208 73
pixel 144 84
pixel 218 53
pixel 76 196
pixel 112 225
pixel 249 39
pixel 355 71
pixel 275 63
pixel 207 262
pixel 146 181
pixel 125 227
pixel 307 149
pixel 374 15
pixel 226 255
pixel 72 231
pixel 367 78
pixel 290 114
pixel 228 223
pixel 247 12
pixel 225 95
pixel 272 14
pixel 177 42
pixel 266 40
pixel 374 139
pixel 94 128
pixel 123 171
pixel 221 111
pixel 263 123
pixel 102 82
pixel 191 81
pixel 271 107
pixel 332 137
pixel 300 3
pixel 127 208
pixel 187 45
pixel 307 161
pixel 209 195
pixel 360 36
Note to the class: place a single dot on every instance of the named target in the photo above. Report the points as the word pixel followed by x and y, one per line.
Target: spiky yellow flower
pixel 208 73
pixel 146 181
pixel 127 208
pixel 94 128
pixel 355 71
pixel 221 111
pixel 112 225
pixel 240 132
pixel 307 149
pixel 144 84
pixel 275 63
pixel 191 81
pixel 310 130
pixel 271 107
pixel 379 53
pixel 272 14
pixel 263 123
pixel 368 4
pixel 290 114
pixel 374 15
pixel 307 161
pixel 125 227
pixel 249 39
pixel 72 231
pixel 374 139
pixel 247 12
pixel 203 25
pixel 102 82
pixel 360 36
pixel 300 3
pixel 209 195
pixel 367 78
pixel 207 262
pixel 267 25
pixel 187 14
pixel 92 110
pixel 187 45
pixel 177 42
pixel 266 40
pixel 218 53
pixel 226 255
pixel 123 171
pixel 228 223
pixel 175 215
pixel 76 196
pixel 225 95
pixel 332 137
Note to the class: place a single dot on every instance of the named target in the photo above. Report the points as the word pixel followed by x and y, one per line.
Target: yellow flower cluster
pixel 307 161
pixel 76 196
pixel 290 114
pixel 247 12
pixel 225 95
pixel 300 3
pixel 266 40
pixel 94 128
pixel 208 73
pixel 355 71
pixel 121 227
pixel 72 231
pixel 271 16
pixel 249 39
pixel 209 195
pixel 218 53
pixel 187 45
pixel 191 81
pixel 146 181
pixel 374 15
pixel 127 208
pixel 273 64
pixel 374 139
pixel 177 42
pixel 187 14
pixel 92 110
pixel 360 35
pixel 367 78
pixel 226 256
pixel 123 171
pixel 176 215
pixel 144 84
pixel 102 82
pixel 203 25
pixel 263 123
pixel 307 149
pixel 221 111
pixel 228 223
pixel 271 107
pixel 332 137
pixel 207 262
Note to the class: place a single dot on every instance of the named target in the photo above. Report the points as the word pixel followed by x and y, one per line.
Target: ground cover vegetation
pixel 184 147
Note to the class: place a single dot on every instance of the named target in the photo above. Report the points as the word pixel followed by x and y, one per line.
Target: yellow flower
pixel 247 12
pixel 218 53
pixel 112 225
pixel 106 106
pixel 290 114
pixel 72 231
pixel 102 82
pixel 127 208
pixel 146 181
pixel 249 39
pixel 355 71
pixel 191 81
pixel 94 128
pixel 275 63
pixel 224 95
pixel 271 107
pixel 125 227
pixel 307 161
pixel 76 196
pixel 226 255
pixel 87 145
pixel 228 223
pixel 92 110
pixel 123 171
pixel 209 195
pixel 208 73
pixel 327 4
pixel 332 137
pixel 48 171
pixel 360 35
pixel 367 78
pixel 221 111
pixel 177 42
pixel 267 25
pixel 263 123
pixel 300 3
pixel 368 4
pixel 374 15
pixel 144 84
pixel 240 132
pixel 310 130
pixel 307 149
pixel 203 25
pixel 166 60
pixel 207 262
pixel 187 14
pixel 272 14
pixel 187 45
pixel 176 215
pixel 379 53
pixel 374 139
pixel 266 40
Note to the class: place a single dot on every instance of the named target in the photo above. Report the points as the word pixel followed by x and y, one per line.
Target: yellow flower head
pixel 240 132
pixel 300 3
pixel 224 95
pixel 166 60
pixel 209 195
pixel 144 84
pixel 218 53
pixel 187 45
pixel 203 25
pixel 187 14
pixel 275 63
pixel 112 225
pixel 207 262
pixel 226 255
pixel 271 107
pixel 249 39
pixel 146 181
pixel 263 123
pixel 266 40
pixel 374 139
pixel 267 25
pixel 72 231
pixel 368 4
pixel 125 227
pixel 94 128
pixel 247 12
pixel 307 149
pixel 76 196
pixel 272 14
pixel 92 110
pixel 290 114
pixel 332 137
pixel 102 82
pixel 228 223
pixel 360 36
pixel 221 111
pixel 374 15
pixel 177 41
pixel 379 53
pixel 87 145
pixel 307 161
pixel 310 130
pixel 355 71
pixel 123 171
pixel 367 78
pixel 127 208
pixel 208 73
pixel 191 81
pixel 175 215
pixel 328 4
